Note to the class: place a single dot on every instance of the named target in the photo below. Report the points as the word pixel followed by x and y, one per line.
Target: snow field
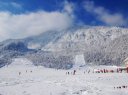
pixel 34 80
pixel 43 81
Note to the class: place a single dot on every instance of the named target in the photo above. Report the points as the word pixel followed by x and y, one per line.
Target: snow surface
pixel 21 62
pixel 79 61
pixel 43 81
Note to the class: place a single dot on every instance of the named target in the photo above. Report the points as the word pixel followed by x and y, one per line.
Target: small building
pixel 125 63
pixel 125 66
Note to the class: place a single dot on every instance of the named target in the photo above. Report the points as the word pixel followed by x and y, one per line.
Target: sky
pixel 23 18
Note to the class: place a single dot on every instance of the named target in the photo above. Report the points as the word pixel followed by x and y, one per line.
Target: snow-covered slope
pixel 39 41
pixel 94 42
pixel 42 81
pixel 83 38
pixel 79 61
pixel 18 62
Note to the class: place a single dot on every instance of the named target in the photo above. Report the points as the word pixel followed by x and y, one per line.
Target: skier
pixel 117 70
pixel 127 69
pixel 104 71
pixel 88 71
pixel 74 72
pixel 19 73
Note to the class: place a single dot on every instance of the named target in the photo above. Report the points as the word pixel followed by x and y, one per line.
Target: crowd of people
pixel 71 73
pixel 121 87
pixel 118 70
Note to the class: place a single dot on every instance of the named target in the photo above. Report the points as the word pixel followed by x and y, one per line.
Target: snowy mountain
pixel 82 39
pixel 118 49
pixel 59 49
pixel 10 49
pixel 76 39
pixel 39 41
pixel 95 42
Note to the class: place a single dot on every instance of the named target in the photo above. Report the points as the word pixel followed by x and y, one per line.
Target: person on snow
pixel 19 73
pixel 74 72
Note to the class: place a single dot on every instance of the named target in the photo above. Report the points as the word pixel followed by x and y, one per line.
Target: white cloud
pixel 16 5
pixel 102 14
pixel 69 7
pixel 34 23
pixel 4 5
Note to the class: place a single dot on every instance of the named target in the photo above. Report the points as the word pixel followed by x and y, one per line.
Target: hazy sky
pixel 23 18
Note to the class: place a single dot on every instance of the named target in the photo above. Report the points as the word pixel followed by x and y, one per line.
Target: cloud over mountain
pixel 103 15
pixel 33 23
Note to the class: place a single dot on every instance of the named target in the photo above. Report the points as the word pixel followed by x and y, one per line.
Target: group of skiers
pixel 104 71
pixel 71 73
pixel 25 71
pixel 118 70
pixel 120 87
pixel 87 71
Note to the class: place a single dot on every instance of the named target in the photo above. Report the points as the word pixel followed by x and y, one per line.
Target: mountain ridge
pixel 57 49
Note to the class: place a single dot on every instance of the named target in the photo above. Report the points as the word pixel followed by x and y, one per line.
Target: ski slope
pixel 79 61
pixel 43 81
